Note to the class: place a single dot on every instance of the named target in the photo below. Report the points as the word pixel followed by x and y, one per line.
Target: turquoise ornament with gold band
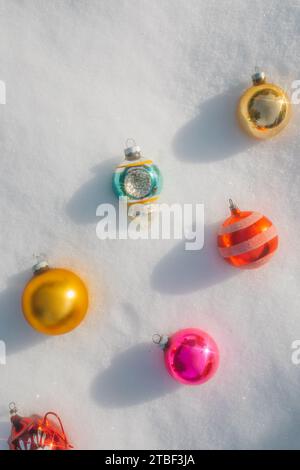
pixel 136 178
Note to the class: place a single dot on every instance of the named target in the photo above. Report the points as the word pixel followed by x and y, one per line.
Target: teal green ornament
pixel 136 178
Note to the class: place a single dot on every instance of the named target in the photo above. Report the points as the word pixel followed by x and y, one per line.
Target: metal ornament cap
pixel 258 77
pixel 132 153
pixel 264 109
pixel 40 266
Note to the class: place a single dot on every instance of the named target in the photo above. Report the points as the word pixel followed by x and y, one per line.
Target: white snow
pixel 81 77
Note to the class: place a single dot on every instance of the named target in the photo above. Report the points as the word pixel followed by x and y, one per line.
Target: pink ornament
pixel 191 355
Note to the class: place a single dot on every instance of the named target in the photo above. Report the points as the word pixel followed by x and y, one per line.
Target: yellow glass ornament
pixel 264 109
pixel 54 301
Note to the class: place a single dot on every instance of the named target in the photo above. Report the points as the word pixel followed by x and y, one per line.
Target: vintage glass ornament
pixel 191 355
pixel 247 239
pixel 55 300
pixel 136 178
pixel 264 109
pixel 36 432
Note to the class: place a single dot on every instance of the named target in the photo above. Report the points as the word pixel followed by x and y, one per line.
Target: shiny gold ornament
pixel 54 301
pixel 264 109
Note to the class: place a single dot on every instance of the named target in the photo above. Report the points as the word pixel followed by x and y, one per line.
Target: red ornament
pixel 36 433
pixel 247 239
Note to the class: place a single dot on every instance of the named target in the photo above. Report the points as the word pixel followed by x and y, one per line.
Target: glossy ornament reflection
pixel 247 239
pixel 191 355
pixel 264 109
pixel 54 301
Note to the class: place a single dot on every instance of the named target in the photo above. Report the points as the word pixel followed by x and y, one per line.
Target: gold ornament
pixel 264 109
pixel 54 301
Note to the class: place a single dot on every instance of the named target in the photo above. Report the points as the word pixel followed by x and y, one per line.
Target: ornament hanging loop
pixel 12 408
pixel 156 338
pixel 60 423
pixel 160 340
pixel 130 142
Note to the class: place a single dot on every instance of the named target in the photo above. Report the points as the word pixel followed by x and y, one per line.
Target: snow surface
pixel 81 77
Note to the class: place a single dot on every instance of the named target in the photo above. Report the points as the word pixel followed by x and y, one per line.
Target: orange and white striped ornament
pixel 247 239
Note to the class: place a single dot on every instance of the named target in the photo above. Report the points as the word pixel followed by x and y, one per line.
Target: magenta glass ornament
pixel 191 356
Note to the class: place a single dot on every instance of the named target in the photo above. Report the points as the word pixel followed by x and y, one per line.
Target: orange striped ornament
pixel 247 239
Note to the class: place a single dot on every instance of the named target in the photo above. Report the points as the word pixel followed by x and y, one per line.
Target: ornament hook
pixel 156 338
pixel 61 426
pixel 12 408
pixel 160 340
pixel 130 142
